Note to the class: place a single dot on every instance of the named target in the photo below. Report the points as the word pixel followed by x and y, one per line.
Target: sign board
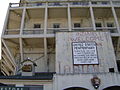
pixel 14 88
pixel 84 53
pixel 27 68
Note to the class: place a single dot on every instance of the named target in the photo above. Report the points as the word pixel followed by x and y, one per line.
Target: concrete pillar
pixel 22 21
pixel 21 49
pixel 69 18
pixel 92 16
pixel 45 55
pixel 115 17
pixel 45 39
pixel 46 19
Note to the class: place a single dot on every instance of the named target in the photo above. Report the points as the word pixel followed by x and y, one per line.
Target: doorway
pixel 75 88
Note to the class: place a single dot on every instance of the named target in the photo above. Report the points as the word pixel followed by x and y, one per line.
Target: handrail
pixel 33 31
pixel 63 3
pixel 12 31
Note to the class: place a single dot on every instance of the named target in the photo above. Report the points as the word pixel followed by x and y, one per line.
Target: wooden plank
pixel 10 54
pixel 8 64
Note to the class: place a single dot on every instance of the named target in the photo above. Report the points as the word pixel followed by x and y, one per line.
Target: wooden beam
pixel 4 73
pixel 5 70
pixel 10 54
pixel 8 64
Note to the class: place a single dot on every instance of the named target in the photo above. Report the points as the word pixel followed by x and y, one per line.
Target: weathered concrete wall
pixel 84 80
pixel 14 21
pixel 64 59
pixel 62 21
pixel 37 55
pixel 29 24
pixel 104 21
pixel 85 22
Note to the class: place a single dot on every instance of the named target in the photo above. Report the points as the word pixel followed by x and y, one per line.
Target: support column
pixel 92 16
pixel 21 32
pixel 22 21
pixel 45 54
pixel 45 39
pixel 69 18
pixel 115 17
pixel 46 19
pixel 21 49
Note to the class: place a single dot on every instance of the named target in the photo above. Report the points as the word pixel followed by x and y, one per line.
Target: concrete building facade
pixel 61 45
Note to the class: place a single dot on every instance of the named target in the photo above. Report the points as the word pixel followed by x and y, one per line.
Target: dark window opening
pixel 104 3
pixel 56 3
pixel 94 2
pixel 76 3
pixel 111 25
pixel 76 25
pixel 56 25
pixel 37 26
pixel 98 24
pixel 118 65
pixel 39 4
pixel 111 70
pixel 75 88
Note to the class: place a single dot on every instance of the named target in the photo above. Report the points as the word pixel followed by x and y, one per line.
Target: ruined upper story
pixel 48 16
pixel 36 20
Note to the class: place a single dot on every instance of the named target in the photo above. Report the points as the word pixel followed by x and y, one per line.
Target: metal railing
pixel 81 3
pixel 65 3
pixel 34 4
pixel 15 5
pixel 100 3
pixel 82 29
pixel 57 4
pixel 33 31
pixel 12 31
pixel 110 29
pixel 116 3
pixel 53 30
